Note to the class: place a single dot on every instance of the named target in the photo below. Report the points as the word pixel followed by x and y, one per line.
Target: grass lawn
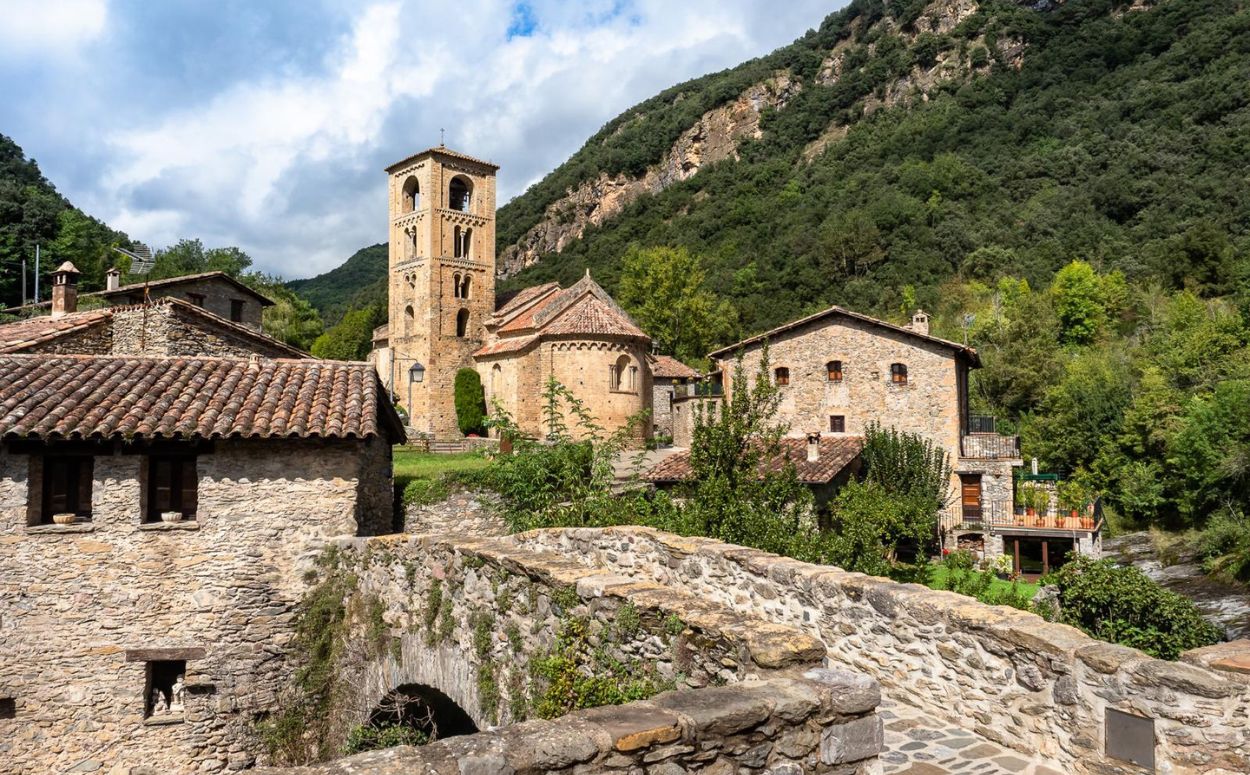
pixel 411 464
pixel 939 579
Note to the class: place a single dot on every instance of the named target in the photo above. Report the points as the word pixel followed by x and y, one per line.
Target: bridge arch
pixel 441 677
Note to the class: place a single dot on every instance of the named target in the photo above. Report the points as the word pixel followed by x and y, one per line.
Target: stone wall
pixel 821 721
pixel 165 329
pixel 472 617
pixel 84 606
pixel 1018 680
pixel 217 297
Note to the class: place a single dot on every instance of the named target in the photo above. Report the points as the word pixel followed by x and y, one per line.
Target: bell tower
pixel 441 278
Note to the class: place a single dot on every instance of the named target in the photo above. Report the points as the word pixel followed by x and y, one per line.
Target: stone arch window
pixel 833 369
pixel 455 285
pixel 466 243
pixel 411 195
pixel 496 379
pixel 455 242
pixel 464 286
pixel 462 323
pixel 459 194
pixel 414 245
pixel 624 375
pixel 781 376
pixel 898 373
pixel 410 320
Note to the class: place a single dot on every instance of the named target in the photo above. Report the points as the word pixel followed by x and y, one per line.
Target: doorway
pixel 970 497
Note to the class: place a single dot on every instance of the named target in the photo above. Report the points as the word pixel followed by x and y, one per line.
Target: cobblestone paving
pixel 917 744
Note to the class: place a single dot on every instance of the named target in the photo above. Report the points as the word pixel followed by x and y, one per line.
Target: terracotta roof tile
pixel 836 453
pixel 510 345
pixel 668 367
pixel 589 315
pixel 523 297
pixel 443 151
pixel 24 334
pixel 76 397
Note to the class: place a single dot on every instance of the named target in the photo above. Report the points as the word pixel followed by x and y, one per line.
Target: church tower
pixel 442 278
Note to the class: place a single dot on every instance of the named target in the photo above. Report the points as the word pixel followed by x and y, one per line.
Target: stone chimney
pixel 112 279
pixel 920 322
pixel 813 447
pixel 64 290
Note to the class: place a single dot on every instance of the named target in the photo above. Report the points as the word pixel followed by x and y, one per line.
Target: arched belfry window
pixel 466 243
pixel 455 242
pixel 455 285
pixel 464 286
pixel 459 194
pixel 410 320
pixel 411 195
pixel 462 323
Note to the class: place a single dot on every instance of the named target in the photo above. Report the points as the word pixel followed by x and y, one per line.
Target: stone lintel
pixel 163 655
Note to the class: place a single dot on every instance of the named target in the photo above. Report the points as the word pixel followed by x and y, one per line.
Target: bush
pixel 1225 546
pixel 424 492
pixel 470 403
pixel 1123 605
pixel 371 738
pixel 963 577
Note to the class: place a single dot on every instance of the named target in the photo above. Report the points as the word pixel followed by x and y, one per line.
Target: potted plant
pixel 171 516
pixel 64 518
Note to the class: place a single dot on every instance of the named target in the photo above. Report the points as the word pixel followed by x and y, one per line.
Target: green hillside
pixel 359 282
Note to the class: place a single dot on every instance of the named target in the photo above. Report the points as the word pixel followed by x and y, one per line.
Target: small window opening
pixel 466 242
pixel 66 488
pixel 622 375
pixel 459 194
pixel 898 373
pixel 411 195
pixel 165 695
pixel 236 310
pixel 455 242
pixel 173 488
pixel 8 707
pixel 410 320
pixel 781 376
pixel 837 423
pixel 834 371
pixel 464 287
pixel 455 285
pixel 462 323
pixel 196 298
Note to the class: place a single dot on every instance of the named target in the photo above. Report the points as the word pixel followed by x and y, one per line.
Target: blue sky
pixel 266 124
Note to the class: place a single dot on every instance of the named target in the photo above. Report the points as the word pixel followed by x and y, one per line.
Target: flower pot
pixel 171 516
pixel 64 519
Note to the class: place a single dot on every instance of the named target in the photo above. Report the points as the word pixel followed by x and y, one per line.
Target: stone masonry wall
pixel 161 329
pixel 82 606
pixel 1017 679
pixel 217 293
pixel 821 721
pixel 471 618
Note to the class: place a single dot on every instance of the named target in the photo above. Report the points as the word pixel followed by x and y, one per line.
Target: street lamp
pixel 416 373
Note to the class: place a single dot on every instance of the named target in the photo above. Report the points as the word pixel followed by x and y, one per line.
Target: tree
pixel 470 400
pixel 1079 302
pixel 665 290
pixel 291 319
pixel 352 338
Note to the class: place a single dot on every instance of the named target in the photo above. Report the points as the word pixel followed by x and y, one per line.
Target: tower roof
pixel 441 150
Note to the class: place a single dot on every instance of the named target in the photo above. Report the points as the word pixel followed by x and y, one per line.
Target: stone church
pixel 444 315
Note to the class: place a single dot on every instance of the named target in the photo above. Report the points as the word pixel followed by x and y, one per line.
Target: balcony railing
pixel 982 423
pixel 989 446
pixel 997 515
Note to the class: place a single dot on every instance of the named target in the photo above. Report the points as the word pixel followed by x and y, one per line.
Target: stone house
pixel 670 379
pixel 157 516
pixel 838 371
pixel 444 315
pixel 215 292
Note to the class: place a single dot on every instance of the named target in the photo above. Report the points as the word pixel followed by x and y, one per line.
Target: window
pixel 196 298
pixel 462 323
pixel 410 320
pixel 624 375
pixel 466 242
pixel 837 423
pixel 66 487
pixel 164 698
pixel 898 373
pixel 458 194
pixel 455 285
pixel 464 287
pixel 173 485
pixel 411 197
pixel 236 310
pixel 455 242
pixel 781 376
pixel 8 707
pixel 496 379
pixel 834 371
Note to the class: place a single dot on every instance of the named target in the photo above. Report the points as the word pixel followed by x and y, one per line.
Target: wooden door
pixel 970 496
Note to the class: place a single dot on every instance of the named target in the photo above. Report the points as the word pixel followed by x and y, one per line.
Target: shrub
pixel 1123 605
pixel 470 402
pixel 423 492
pixel 1225 546
pixel 371 738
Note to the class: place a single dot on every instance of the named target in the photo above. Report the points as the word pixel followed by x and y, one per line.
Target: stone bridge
pixel 487 627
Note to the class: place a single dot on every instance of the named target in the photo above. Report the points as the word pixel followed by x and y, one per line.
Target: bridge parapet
pixel 823 721
pixel 1029 684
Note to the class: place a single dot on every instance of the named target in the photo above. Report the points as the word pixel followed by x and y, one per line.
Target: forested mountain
pixel 358 282
pixel 33 213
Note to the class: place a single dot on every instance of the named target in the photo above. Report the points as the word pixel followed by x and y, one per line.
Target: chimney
pixel 64 290
pixel 920 322
pixel 813 447
pixel 112 279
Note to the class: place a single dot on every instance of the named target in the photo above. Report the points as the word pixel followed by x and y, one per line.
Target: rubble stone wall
pixel 84 606
pixel 821 721
pixel 1016 679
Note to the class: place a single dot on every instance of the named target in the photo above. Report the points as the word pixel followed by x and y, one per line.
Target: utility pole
pixel 36 274
pixel 22 302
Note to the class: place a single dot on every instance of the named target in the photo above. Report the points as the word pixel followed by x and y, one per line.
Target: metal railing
pixel 1001 515
pixel 989 446
pixel 982 423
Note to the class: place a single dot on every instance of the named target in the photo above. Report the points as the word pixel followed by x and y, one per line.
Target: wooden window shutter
pixel 190 487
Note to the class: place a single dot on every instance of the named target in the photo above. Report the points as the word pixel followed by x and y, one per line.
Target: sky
pixel 266 125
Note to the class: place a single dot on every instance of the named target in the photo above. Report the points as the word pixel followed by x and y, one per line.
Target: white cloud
pixel 38 25
pixel 289 167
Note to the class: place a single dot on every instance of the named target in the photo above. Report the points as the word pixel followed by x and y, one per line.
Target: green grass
pixel 411 464
pixel 938 581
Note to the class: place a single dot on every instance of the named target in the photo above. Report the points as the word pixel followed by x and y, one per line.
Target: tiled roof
pixel 265 301
pixel 582 308
pixel 24 334
pixel 668 367
pixel 77 397
pixel 590 315
pixel 443 151
pixel 523 297
pixel 836 453
pixel 962 349
pixel 510 345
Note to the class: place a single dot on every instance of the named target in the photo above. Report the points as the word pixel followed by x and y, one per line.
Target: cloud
pixel 285 160
pixel 40 25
